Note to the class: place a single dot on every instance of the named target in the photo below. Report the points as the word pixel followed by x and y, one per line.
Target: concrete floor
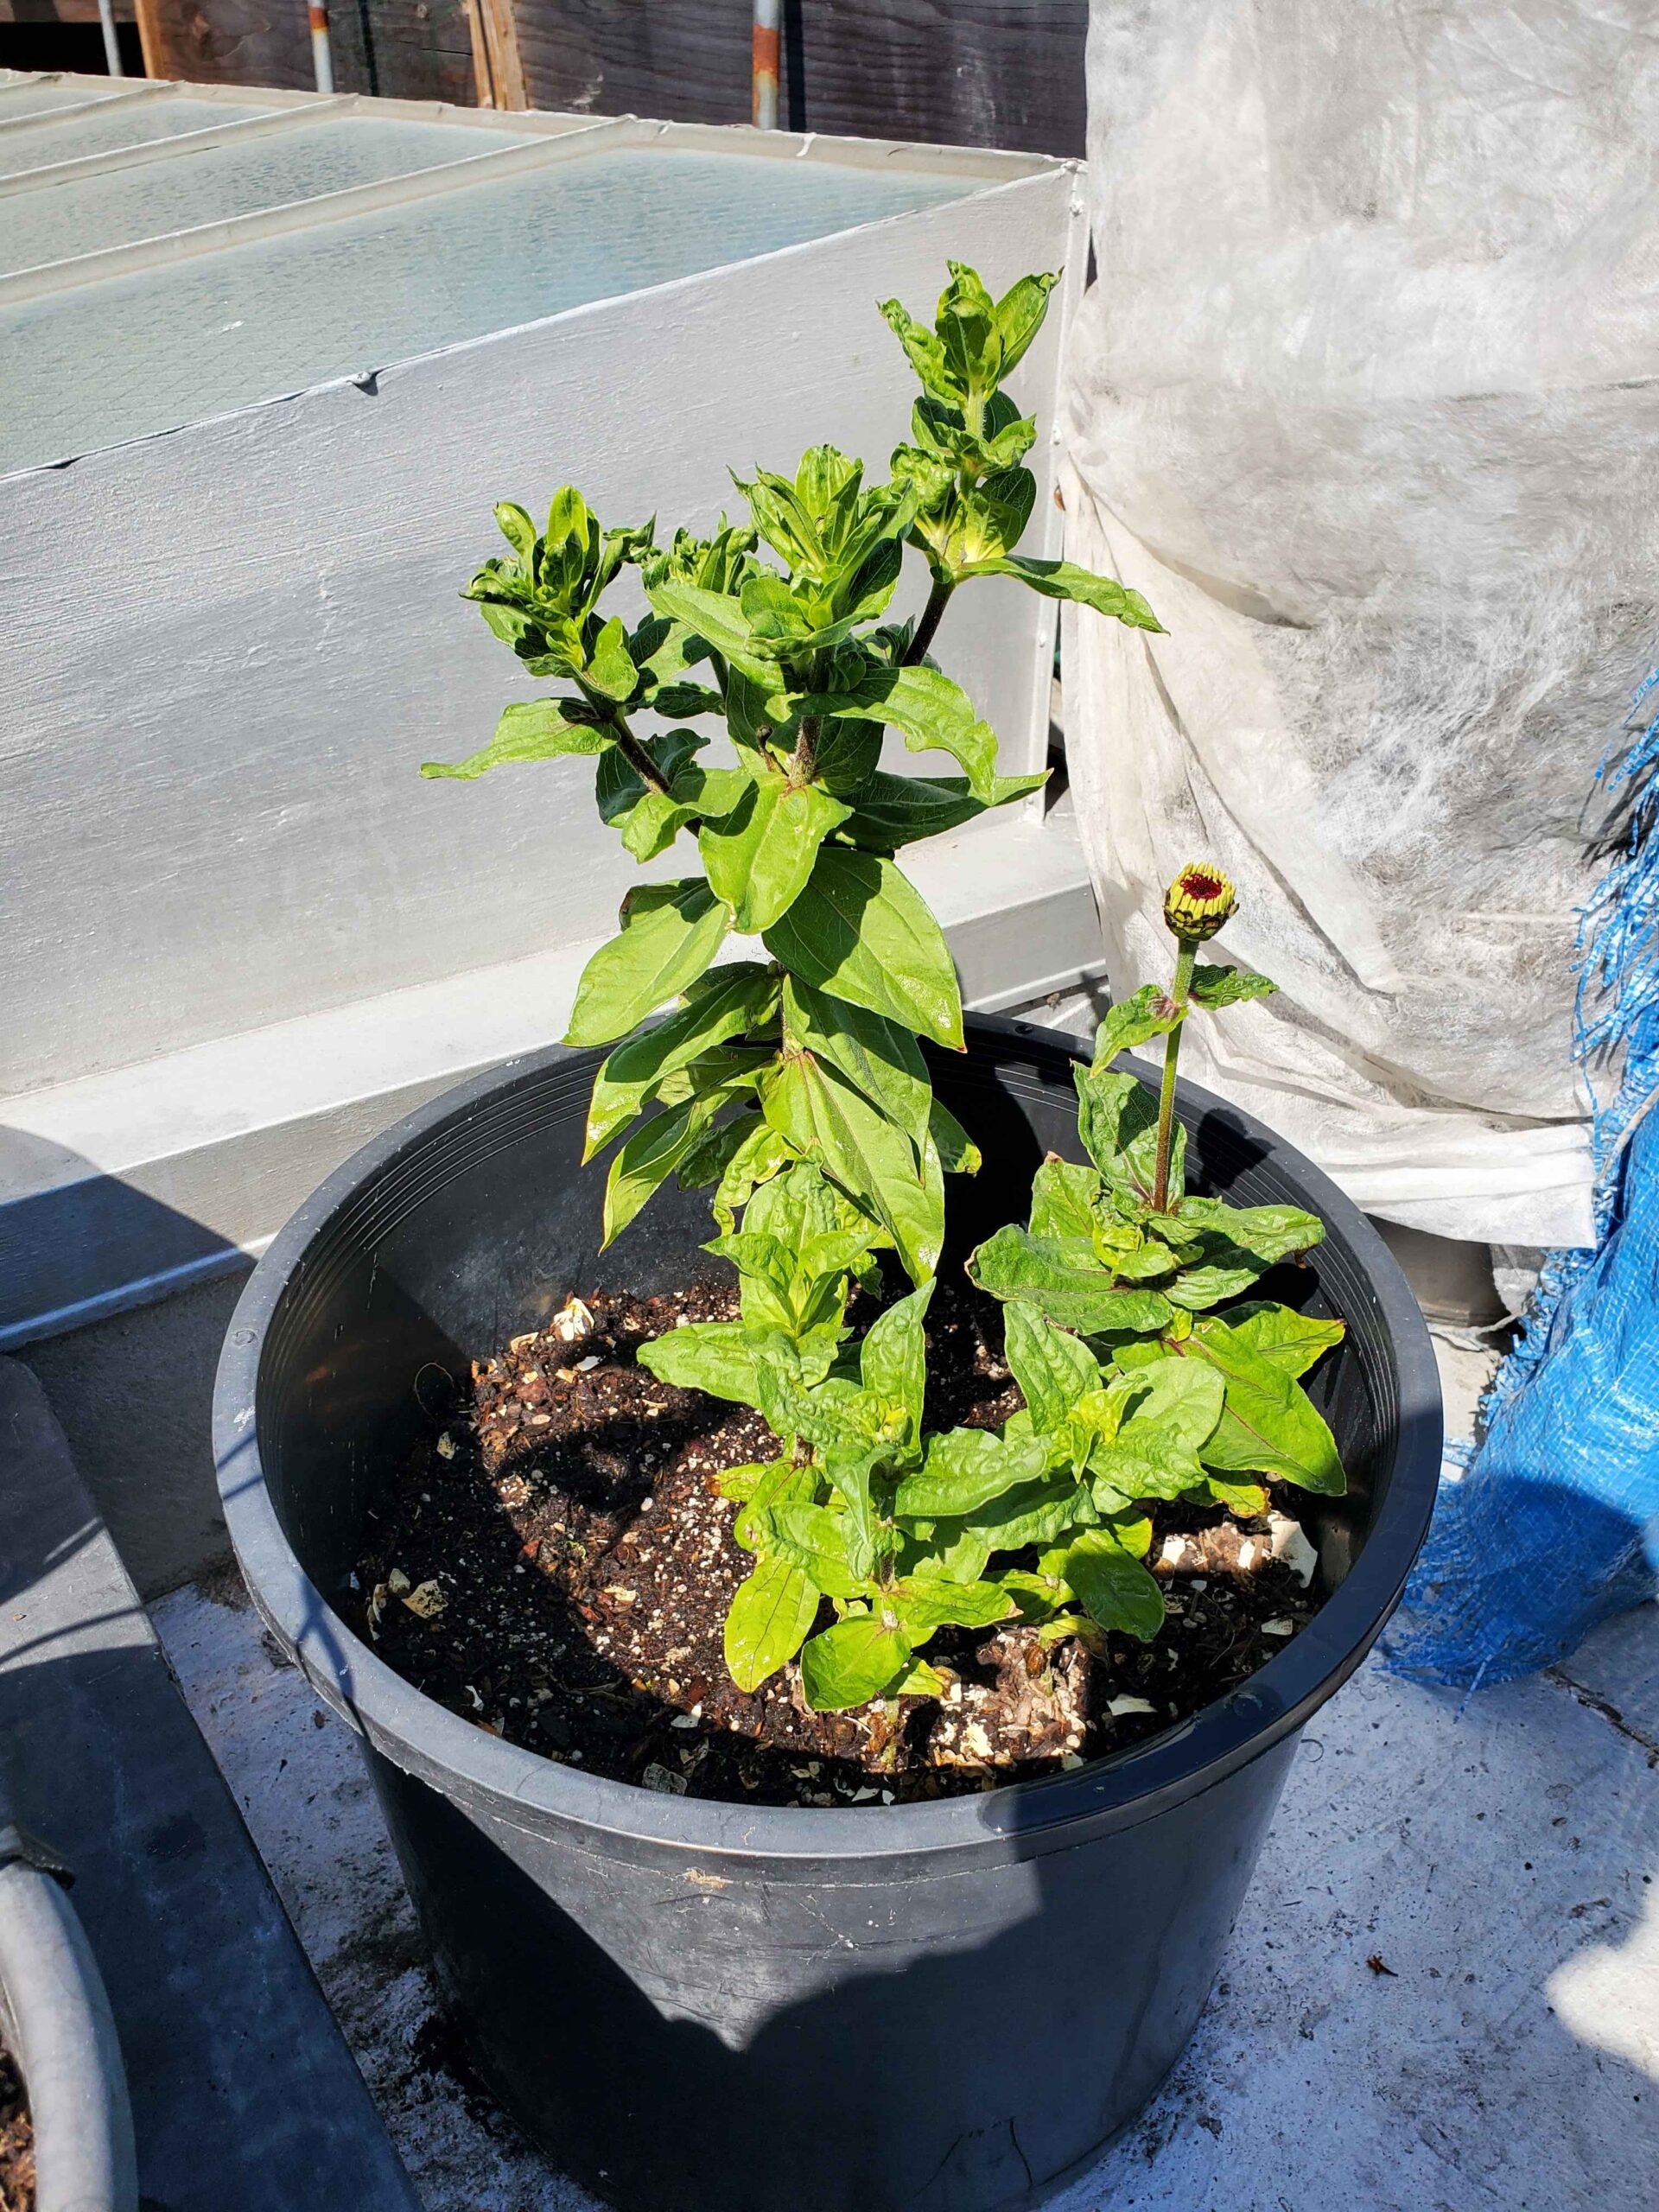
pixel 1443 1994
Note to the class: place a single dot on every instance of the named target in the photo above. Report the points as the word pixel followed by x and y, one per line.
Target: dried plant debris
pixel 555 1564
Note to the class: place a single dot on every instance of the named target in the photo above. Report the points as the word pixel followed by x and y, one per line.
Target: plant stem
pixel 635 753
pixel 938 600
pixel 1179 991
pixel 803 763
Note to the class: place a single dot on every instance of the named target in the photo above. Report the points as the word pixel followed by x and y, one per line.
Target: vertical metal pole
pixel 112 43
pixel 764 110
pixel 322 58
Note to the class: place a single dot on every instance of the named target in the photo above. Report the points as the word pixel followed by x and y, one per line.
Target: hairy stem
pixel 1179 991
pixel 938 600
pixel 803 762
pixel 635 753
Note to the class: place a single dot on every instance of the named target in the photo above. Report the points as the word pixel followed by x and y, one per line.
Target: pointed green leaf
pixel 861 1658
pixel 610 665
pixel 956 1151
pixel 861 932
pixel 1289 1341
pixel 1062 1278
pixel 814 1539
pixel 1018 317
pixel 771 1617
pixel 738 999
pixel 760 855
pixel 932 713
pixel 1051 1368
pixel 725 1358
pixel 670 933
pixel 534 729
pixel 892 1359
pixel 1134 1023
pixel 1182 1397
pixel 1065 579
pixel 1228 986
pixel 1064 1195
pixel 1117 1120
pixel 1269 1425
pixel 648 1159
pixel 893 810
pixel 965 1469
pixel 1114 1588
pixel 876 1056
pixel 923 1606
pixel 871 1159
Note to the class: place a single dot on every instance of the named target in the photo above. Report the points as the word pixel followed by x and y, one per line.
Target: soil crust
pixel 553 1562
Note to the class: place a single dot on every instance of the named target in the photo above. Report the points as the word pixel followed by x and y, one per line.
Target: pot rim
pixel 1017 1819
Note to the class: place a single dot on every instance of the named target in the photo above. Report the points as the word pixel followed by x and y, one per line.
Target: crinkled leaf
pixel 1062 1278
pixel 1065 579
pixel 1036 1513
pixel 760 1156
pixel 1288 1340
pixel 738 999
pixel 861 1658
pixel 1051 1368
pixel 717 616
pixel 892 1359
pixel 670 933
pixel 1269 1425
pixel 866 1155
pixel 877 1056
pixel 534 729
pixel 814 1539
pixel 772 1614
pixel 1228 986
pixel 1114 1588
pixel 759 856
pixel 1132 1022
pixel 924 1605
pixel 1236 1245
pixel 1019 316
pixel 1117 1120
pixel 725 1358
pixel 931 712
pixel 1063 1199
pixel 861 932
pixel 1180 1396
pixel 610 666
pixel 964 1469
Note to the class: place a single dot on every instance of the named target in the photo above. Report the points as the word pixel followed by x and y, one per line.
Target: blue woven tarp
pixel 1553 1524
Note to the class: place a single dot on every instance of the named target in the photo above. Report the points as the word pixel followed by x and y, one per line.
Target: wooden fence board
pixel 401 49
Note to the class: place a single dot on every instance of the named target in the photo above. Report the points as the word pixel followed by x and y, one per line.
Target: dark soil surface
pixel 554 1562
pixel 17 2142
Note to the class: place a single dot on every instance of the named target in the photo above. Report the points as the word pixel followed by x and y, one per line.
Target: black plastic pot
pixel 701 2008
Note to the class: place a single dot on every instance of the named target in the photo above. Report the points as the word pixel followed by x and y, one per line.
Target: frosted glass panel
pixel 220 182
pixel 133 355
pixel 141 124
pixel 37 100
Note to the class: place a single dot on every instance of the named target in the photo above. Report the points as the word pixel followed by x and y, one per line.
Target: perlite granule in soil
pixel 554 1562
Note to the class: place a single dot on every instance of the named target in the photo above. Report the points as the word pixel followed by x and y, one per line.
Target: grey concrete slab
pixel 245 2098
pixel 1442 1996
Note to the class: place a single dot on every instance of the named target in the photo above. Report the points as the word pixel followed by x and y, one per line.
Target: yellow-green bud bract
pixel 1199 902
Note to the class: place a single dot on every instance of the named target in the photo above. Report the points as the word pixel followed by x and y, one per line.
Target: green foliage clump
pixel 792 1084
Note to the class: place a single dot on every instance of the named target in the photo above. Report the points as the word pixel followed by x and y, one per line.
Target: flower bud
pixel 1199 902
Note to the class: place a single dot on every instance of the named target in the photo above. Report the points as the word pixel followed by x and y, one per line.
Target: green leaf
pixel 861 1658
pixel 1035 1514
pixel 761 1155
pixel 893 810
pixel 1114 1588
pixel 926 1606
pixel 921 346
pixel 863 934
pixel 932 713
pixel 760 855
pixel 1181 1397
pixel 871 1159
pixel 618 788
pixel 738 999
pixel 965 1469
pixel 1235 1245
pixel 995 513
pixel 610 665
pixel 1051 1368
pixel 670 933
pixel 1065 579
pixel 1288 1340
pixel 1063 1195
pixel 876 1056
pixel 725 1358
pixel 956 1152
pixel 1228 986
pixel 534 729
pixel 1117 1120
pixel 648 1159
pixel 1132 1022
pixel 922 1681
pixel 1018 317
pixel 781 1482
pixel 814 1539
pixel 717 616
pixel 892 1359
pixel 771 1616
pixel 1269 1425
pixel 1062 1278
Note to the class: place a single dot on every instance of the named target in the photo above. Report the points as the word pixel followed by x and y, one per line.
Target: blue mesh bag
pixel 1553 1524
